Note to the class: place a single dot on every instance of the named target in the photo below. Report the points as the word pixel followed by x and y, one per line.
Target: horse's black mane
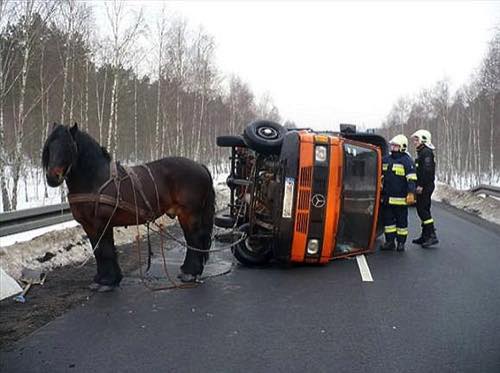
pixel 87 144
pixel 89 150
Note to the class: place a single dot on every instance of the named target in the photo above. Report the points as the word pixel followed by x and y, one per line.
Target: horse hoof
pixel 105 288
pixel 186 277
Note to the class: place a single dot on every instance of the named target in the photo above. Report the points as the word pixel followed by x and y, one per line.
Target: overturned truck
pixel 303 196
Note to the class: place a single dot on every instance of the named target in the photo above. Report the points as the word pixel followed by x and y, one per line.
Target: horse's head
pixel 59 153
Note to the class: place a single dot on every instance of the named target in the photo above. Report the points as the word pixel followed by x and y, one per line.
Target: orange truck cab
pixel 303 196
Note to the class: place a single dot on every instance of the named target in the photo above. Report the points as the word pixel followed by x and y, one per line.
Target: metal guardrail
pixel 38 217
pixel 489 190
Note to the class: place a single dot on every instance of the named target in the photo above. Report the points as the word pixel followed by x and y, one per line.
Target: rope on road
pixel 163 233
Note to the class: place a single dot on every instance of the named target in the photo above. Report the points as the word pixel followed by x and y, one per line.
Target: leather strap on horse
pixel 100 198
pixel 105 200
pixel 156 187
pixel 138 186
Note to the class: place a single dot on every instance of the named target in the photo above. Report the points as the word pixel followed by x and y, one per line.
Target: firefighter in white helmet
pixel 426 168
pixel 398 189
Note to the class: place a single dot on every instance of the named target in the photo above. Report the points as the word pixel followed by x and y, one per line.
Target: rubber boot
pixel 401 246
pixel 420 240
pixel 423 236
pixel 431 238
pixel 388 246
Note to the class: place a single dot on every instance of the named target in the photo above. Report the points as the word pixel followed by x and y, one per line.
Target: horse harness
pixel 117 201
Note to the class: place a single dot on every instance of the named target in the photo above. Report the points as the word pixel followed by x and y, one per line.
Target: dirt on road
pixel 64 288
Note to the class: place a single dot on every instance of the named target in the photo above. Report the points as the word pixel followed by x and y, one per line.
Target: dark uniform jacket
pixel 399 178
pixel 426 167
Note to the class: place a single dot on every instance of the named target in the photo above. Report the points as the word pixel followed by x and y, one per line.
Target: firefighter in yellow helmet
pixel 398 189
pixel 426 168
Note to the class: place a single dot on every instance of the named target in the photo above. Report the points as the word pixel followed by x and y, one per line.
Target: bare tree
pixel 30 8
pixel 266 108
pixel 161 35
pixel 123 38
pixel 57 70
pixel 68 10
pixel 490 84
pixel 177 50
pixel 465 127
pixel 8 14
pixel 204 79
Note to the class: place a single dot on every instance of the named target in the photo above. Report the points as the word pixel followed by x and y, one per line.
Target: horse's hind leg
pixel 199 238
pixel 108 270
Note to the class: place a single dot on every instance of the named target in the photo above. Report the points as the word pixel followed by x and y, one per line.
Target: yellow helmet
pixel 424 137
pixel 400 140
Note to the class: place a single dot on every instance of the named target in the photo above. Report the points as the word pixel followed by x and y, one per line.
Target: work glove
pixel 410 199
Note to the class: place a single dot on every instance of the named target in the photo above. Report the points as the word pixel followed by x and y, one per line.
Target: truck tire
pixel 224 221
pixel 264 136
pixel 251 255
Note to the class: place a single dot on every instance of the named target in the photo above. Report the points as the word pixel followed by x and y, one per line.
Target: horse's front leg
pixel 109 273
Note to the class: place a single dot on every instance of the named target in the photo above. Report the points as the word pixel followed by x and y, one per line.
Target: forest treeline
pixel 465 125
pixel 145 89
pixel 148 88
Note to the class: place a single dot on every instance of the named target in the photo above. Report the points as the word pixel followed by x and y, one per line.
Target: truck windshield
pixel 358 198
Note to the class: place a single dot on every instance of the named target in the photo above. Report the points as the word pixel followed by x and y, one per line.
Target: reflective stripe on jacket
pixel 399 178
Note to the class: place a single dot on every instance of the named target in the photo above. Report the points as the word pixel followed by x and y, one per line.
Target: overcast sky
pixel 329 62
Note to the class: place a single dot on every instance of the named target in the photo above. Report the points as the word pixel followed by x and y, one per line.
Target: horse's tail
pixel 209 210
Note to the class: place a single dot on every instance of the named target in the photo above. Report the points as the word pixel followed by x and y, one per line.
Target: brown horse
pixel 103 194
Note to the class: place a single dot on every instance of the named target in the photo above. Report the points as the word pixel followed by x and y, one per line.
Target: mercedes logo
pixel 318 201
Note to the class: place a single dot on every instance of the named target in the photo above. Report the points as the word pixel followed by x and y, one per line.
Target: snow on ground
pixel 466 181
pixel 67 244
pixel 31 190
pixel 57 248
pixel 29 235
pixel 483 206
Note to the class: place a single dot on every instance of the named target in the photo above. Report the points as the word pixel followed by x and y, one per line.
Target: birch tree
pixel 68 10
pixel 30 9
pixel 122 39
pixel 177 50
pixel 266 108
pixel 241 105
pixel 8 14
pixel 160 131
pixel 490 84
pixel 204 79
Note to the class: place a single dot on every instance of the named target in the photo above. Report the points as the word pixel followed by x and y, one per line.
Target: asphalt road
pixel 428 310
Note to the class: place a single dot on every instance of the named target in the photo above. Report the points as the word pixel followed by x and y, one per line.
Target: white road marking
pixel 366 275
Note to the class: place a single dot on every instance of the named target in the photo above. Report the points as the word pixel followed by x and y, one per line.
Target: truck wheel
pixel 251 253
pixel 224 221
pixel 230 141
pixel 264 136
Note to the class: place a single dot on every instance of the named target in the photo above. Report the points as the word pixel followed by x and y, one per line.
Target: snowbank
pixel 485 207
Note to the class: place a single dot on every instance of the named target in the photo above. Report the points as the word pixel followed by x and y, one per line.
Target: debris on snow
pixel 8 286
pixel 55 249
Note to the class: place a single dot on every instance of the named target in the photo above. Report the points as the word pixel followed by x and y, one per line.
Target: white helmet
pixel 424 137
pixel 400 140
